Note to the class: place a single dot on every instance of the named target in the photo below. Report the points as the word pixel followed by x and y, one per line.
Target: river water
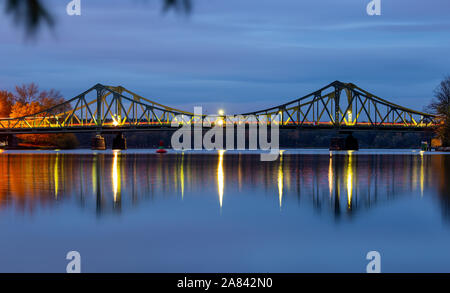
pixel 308 211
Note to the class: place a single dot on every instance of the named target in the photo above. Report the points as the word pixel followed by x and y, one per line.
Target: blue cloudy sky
pixel 236 54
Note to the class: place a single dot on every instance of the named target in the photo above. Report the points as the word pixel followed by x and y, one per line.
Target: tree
pixel 440 105
pixel 30 93
pixel 28 100
pixel 6 100
pixel 20 109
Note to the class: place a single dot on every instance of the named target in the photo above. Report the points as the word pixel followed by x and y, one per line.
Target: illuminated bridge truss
pixel 111 109
pixel 346 106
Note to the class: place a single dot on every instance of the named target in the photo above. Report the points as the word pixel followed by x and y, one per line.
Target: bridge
pixel 103 109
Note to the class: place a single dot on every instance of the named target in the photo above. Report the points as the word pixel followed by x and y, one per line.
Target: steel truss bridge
pixel 342 106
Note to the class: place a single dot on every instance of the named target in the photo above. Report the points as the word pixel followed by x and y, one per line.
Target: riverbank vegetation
pixel 28 99
pixel 441 106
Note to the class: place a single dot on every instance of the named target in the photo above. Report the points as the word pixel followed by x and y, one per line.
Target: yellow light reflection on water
pixel 116 176
pixel 182 175
pixel 240 173
pixel 280 179
pixel 349 180
pixel 422 179
pixel 330 175
pixel 94 175
pixel 220 177
pixel 414 175
pixel 56 175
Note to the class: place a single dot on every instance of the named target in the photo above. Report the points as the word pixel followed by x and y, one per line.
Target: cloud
pixel 236 53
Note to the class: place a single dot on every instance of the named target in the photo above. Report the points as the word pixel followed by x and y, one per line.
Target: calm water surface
pixel 309 211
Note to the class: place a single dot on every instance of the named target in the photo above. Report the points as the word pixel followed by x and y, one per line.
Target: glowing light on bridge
pixel 115 122
pixel 116 176
pixel 221 112
pixel 220 177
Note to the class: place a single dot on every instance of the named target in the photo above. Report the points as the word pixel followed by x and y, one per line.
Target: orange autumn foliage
pixel 29 100
pixel 6 101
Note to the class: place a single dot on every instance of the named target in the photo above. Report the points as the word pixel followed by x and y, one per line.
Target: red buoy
pixel 161 149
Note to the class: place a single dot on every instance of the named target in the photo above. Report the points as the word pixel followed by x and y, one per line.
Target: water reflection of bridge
pixel 338 183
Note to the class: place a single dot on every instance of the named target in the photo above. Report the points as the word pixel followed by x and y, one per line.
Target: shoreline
pixel 170 152
pixel 47 148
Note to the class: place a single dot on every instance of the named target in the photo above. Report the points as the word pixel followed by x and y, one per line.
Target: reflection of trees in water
pixel 441 169
pixel 338 183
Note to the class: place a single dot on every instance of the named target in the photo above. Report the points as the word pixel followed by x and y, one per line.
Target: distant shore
pixel 50 148
pixel 29 147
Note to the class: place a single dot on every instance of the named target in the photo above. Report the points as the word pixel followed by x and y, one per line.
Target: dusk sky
pixel 236 54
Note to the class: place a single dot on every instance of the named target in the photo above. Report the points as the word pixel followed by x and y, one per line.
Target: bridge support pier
pixel 10 141
pixel 349 143
pixel 98 143
pixel 119 142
